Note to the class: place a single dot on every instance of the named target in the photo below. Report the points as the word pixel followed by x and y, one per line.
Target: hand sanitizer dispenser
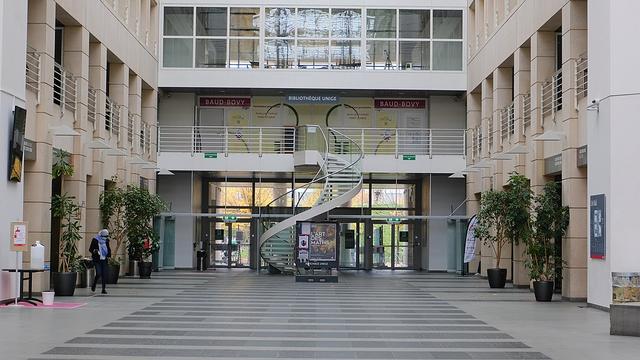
pixel 37 256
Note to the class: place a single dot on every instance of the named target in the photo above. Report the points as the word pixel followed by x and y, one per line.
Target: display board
pixel 598 226
pixel 316 244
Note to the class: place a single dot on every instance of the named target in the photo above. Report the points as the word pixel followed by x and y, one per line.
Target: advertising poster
pixel 317 244
pixel 597 226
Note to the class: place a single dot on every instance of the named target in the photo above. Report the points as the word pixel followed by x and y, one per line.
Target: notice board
pixel 598 226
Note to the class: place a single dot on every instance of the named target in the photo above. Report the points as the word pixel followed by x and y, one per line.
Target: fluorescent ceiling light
pixel 458 175
pixel 518 150
pixel 64 130
pixel 99 145
pixel 164 172
pixel 549 136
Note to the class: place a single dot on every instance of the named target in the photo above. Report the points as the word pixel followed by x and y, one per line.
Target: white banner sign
pixel 470 246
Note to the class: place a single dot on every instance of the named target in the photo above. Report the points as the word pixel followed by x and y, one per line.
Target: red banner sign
pixel 225 101
pixel 400 103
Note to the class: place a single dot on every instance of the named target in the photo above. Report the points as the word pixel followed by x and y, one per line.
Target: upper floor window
pixel 312 38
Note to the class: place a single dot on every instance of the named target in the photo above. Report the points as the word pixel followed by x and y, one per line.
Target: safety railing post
pixel 260 142
pixel 362 141
pixel 464 143
pixel 430 143
pixel 396 151
pixel 226 142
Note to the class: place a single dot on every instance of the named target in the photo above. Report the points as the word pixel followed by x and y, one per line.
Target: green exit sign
pixel 230 218
pixel 210 155
pixel 393 220
pixel 408 157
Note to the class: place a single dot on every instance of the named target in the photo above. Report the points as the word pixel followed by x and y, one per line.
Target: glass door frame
pixel 394 244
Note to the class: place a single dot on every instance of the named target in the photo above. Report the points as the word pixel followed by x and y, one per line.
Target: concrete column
pixel 98 81
pixel 542 67
pixel 502 97
pixel 521 87
pixel 76 61
pixel 135 110
pixel 150 116
pixel 37 174
pixel 574 179
pixel 473 179
pixel 487 130
pixel 95 182
pixel 119 94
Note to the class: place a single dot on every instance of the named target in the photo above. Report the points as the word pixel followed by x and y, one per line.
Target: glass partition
pixel 312 38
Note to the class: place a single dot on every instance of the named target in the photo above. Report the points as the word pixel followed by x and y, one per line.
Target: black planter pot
pixel 543 290
pixel 114 272
pixel 144 268
pixel 497 278
pixel 64 284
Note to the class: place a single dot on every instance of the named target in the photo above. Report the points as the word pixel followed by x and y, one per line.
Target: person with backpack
pixel 100 253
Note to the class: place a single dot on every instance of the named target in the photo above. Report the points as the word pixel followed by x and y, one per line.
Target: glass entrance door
pixel 393 246
pixel 351 245
pixel 231 245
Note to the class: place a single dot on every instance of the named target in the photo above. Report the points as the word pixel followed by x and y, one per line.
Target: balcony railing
pixel 380 141
pixel 33 71
pixel 65 88
pixel 92 102
pixel 552 94
pixel 284 140
pixel 526 112
pixel 582 76
pixel 112 117
pixel 507 122
pixel 131 120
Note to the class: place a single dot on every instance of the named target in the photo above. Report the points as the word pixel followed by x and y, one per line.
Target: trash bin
pixel 47 297
pixel 85 277
pixel 201 264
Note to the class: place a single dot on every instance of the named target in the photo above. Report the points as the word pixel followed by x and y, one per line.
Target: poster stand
pixel 316 245
pixel 18 235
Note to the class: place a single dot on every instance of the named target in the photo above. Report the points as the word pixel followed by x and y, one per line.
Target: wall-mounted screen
pixel 17 144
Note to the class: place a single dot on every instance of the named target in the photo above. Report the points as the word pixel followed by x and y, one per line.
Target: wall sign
pixel 400 103
pixel 581 156
pixel 213 101
pixel 553 165
pixel 598 226
pixel 313 99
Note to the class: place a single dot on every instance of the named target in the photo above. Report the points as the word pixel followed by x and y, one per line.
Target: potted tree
pixel 550 223
pixel 112 212
pixel 140 208
pixel 504 218
pixel 64 280
pixel 67 212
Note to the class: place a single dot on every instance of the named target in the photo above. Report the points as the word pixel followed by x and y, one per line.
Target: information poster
pixel 18 236
pixel 598 226
pixel 317 244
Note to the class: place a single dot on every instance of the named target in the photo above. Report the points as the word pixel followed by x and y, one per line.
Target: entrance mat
pixel 56 305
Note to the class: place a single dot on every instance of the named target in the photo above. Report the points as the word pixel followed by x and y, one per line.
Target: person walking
pixel 100 253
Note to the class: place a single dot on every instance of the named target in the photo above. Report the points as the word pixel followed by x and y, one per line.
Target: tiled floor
pixel 377 315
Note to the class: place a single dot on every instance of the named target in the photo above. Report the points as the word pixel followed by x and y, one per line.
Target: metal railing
pixel 33 71
pixel 131 121
pixel 490 132
pixel 582 76
pixel 526 111
pixel 112 117
pixel 415 141
pixel 551 101
pixel 92 104
pixel 65 88
pixel 507 121
pixel 224 139
pixel 284 140
pixel 147 139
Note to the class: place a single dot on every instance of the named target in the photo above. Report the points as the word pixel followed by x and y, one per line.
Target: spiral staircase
pixel 340 172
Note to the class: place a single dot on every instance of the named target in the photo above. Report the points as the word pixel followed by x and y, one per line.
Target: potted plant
pixel 64 280
pixel 550 223
pixel 504 218
pixel 112 212
pixel 140 208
